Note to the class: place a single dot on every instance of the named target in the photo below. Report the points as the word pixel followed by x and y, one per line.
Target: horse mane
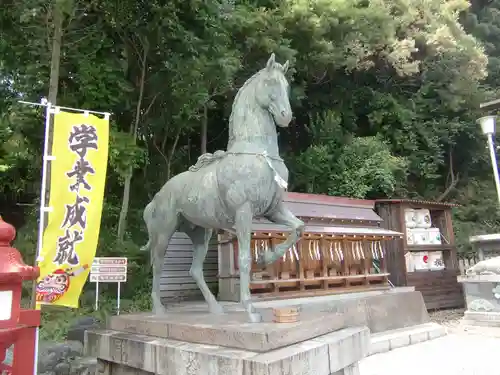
pixel 243 90
pixel 208 158
pixel 240 92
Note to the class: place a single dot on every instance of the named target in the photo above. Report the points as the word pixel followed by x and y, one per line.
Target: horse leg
pixel 200 238
pixel 159 244
pixel 243 226
pixel 283 216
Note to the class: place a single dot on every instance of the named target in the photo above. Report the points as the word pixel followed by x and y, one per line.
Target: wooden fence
pixel 464 263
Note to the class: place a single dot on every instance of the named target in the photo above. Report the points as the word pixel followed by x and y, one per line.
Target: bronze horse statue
pixel 227 189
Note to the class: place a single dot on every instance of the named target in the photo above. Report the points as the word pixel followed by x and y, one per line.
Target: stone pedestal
pixel 330 338
pixel 482 296
pixel 217 346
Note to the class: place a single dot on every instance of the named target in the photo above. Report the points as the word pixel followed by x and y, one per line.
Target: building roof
pixel 485 238
pixel 317 206
pixel 417 201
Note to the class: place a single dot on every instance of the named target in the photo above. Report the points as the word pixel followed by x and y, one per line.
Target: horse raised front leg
pixel 243 226
pixel 283 216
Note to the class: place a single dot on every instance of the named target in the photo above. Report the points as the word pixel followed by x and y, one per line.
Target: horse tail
pixel 148 217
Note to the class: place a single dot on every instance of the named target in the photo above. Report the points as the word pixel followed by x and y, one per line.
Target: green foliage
pixel 366 168
pixel 124 153
pixel 341 165
pixel 57 320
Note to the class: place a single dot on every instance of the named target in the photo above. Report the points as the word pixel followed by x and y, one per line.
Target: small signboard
pixel 110 261
pixel 108 278
pixel 108 270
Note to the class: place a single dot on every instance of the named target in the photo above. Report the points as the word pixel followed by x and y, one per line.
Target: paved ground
pixel 464 351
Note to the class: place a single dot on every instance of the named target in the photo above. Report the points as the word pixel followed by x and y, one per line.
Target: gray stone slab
pixel 346 347
pixel 144 354
pixel 192 323
pixel 379 312
pixel 399 310
pixel 230 330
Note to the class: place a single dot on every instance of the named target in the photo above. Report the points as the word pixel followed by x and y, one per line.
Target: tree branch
pixel 172 151
pixel 452 178
pixel 150 104
pixel 145 51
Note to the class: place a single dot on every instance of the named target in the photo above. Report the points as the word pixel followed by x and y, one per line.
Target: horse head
pixel 272 92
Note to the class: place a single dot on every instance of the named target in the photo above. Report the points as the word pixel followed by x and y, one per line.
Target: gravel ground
pixel 449 318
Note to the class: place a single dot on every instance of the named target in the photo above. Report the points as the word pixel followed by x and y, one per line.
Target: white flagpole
pixel 43 209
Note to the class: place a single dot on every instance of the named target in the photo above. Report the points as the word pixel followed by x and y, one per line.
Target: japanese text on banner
pixel 77 180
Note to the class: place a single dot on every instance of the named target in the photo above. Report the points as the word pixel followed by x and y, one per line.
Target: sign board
pixel 110 261
pixel 108 270
pixel 108 278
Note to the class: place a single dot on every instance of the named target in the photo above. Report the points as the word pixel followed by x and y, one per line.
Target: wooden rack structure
pixel 342 250
pixel 438 284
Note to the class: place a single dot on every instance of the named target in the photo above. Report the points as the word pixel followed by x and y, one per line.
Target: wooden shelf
pixel 436 247
pixel 439 288
pixel 426 271
pixel 272 296
pixel 374 276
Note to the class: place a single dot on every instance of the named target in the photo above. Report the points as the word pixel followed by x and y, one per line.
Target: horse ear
pixel 285 66
pixel 271 61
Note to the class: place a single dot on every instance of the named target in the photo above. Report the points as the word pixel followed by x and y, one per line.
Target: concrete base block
pixel 481 319
pixel 398 338
pixel 133 354
pixel 350 370
pixel 482 295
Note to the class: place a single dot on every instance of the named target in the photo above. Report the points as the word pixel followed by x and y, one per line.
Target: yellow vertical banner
pixel 77 179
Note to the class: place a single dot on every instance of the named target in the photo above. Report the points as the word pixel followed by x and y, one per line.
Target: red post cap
pixel 7 233
pixel 12 265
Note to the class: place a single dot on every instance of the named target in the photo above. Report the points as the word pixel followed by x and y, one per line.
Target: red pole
pixel 20 329
pixel 24 347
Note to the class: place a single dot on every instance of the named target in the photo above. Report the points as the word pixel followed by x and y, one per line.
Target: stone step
pixel 398 338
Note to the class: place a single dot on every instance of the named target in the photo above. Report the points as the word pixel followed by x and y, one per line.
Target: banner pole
pixel 43 192
pixel 41 221
pixel 118 297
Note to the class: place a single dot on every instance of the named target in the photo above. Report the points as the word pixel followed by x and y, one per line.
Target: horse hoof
pixel 159 310
pixel 217 310
pixel 255 317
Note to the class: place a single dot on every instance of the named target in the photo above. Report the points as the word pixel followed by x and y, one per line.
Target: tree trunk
pixel 172 151
pixel 55 63
pixel 204 130
pixel 122 220
pixel 55 60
